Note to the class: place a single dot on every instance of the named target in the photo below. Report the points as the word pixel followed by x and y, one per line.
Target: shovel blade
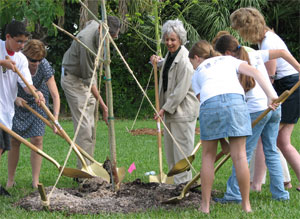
pixel 181 166
pixel 121 173
pixel 173 200
pixel 75 173
pixel 99 171
pixel 163 179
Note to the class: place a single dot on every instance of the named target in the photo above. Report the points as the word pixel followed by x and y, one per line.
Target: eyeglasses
pixel 34 60
pixel 20 42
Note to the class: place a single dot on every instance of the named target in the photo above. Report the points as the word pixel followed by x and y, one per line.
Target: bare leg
pixel 285 170
pixel 36 160
pixel 288 150
pixel 259 167
pixel 239 158
pixel 209 150
pixel 13 159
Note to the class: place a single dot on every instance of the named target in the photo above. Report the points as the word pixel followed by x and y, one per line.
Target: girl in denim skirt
pixel 223 113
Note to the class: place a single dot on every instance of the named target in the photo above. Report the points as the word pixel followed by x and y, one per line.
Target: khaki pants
pixel 77 93
pixel 184 133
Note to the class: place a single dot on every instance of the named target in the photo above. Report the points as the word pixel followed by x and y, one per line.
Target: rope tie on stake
pixel 45 203
pixel 110 118
pixel 106 79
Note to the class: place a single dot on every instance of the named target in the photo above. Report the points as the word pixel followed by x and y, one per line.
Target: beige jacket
pixel 182 105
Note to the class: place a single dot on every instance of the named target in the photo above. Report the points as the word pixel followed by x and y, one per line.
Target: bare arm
pixel 55 96
pixel 39 93
pixel 8 63
pixel 271 67
pixel 103 106
pixel 281 53
pixel 265 84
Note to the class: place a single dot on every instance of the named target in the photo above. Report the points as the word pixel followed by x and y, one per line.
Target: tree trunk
pixel 84 15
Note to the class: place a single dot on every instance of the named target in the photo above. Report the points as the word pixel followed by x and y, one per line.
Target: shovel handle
pixel 46 121
pixel 196 148
pixel 281 99
pixel 158 119
pixel 56 123
pixel 28 144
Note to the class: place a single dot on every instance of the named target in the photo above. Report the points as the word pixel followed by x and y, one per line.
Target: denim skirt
pixel 225 115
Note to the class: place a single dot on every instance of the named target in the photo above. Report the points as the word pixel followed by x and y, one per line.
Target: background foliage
pixel 202 19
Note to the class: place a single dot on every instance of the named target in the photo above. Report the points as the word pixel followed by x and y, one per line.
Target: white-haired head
pixel 174 26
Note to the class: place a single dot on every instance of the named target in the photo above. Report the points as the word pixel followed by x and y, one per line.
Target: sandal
pixel 3 192
pixel 13 185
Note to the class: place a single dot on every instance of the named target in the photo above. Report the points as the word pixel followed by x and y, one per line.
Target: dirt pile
pixel 96 196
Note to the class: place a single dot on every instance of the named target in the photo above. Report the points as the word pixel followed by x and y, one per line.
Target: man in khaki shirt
pixel 77 71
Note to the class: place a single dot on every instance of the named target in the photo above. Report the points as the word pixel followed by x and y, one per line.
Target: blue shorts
pixel 223 116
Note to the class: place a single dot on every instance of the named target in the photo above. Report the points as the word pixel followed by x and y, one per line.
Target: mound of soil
pixel 95 196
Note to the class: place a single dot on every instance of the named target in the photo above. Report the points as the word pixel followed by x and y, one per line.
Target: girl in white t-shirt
pixel 223 113
pixel 251 25
pixel 268 127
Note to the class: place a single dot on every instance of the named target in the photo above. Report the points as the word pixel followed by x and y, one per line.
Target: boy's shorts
pixel 4 141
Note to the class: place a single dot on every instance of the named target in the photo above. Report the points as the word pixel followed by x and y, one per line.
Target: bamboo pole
pixel 158 52
pixel 111 124
pixel 76 39
pixel 157 35
pixel 96 112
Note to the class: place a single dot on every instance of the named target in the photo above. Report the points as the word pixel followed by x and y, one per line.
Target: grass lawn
pixel 143 151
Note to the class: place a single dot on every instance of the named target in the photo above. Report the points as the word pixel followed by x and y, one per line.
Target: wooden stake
pixel 43 195
pixel 111 122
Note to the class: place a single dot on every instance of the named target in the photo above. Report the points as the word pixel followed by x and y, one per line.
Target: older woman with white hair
pixel 178 104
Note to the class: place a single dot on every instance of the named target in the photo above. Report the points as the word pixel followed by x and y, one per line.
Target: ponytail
pixel 230 43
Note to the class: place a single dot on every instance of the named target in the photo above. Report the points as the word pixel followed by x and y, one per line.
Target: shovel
pixel 85 168
pixel 95 166
pixel 183 165
pixel 162 177
pixel 186 188
pixel 69 172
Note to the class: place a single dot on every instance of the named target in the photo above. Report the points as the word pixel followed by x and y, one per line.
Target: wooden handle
pixel 83 152
pixel 281 99
pixel 158 119
pixel 196 148
pixel 28 144
pixel 48 112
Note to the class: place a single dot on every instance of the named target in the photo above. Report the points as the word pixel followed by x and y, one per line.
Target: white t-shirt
pixel 215 76
pixel 273 41
pixel 8 84
pixel 256 98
